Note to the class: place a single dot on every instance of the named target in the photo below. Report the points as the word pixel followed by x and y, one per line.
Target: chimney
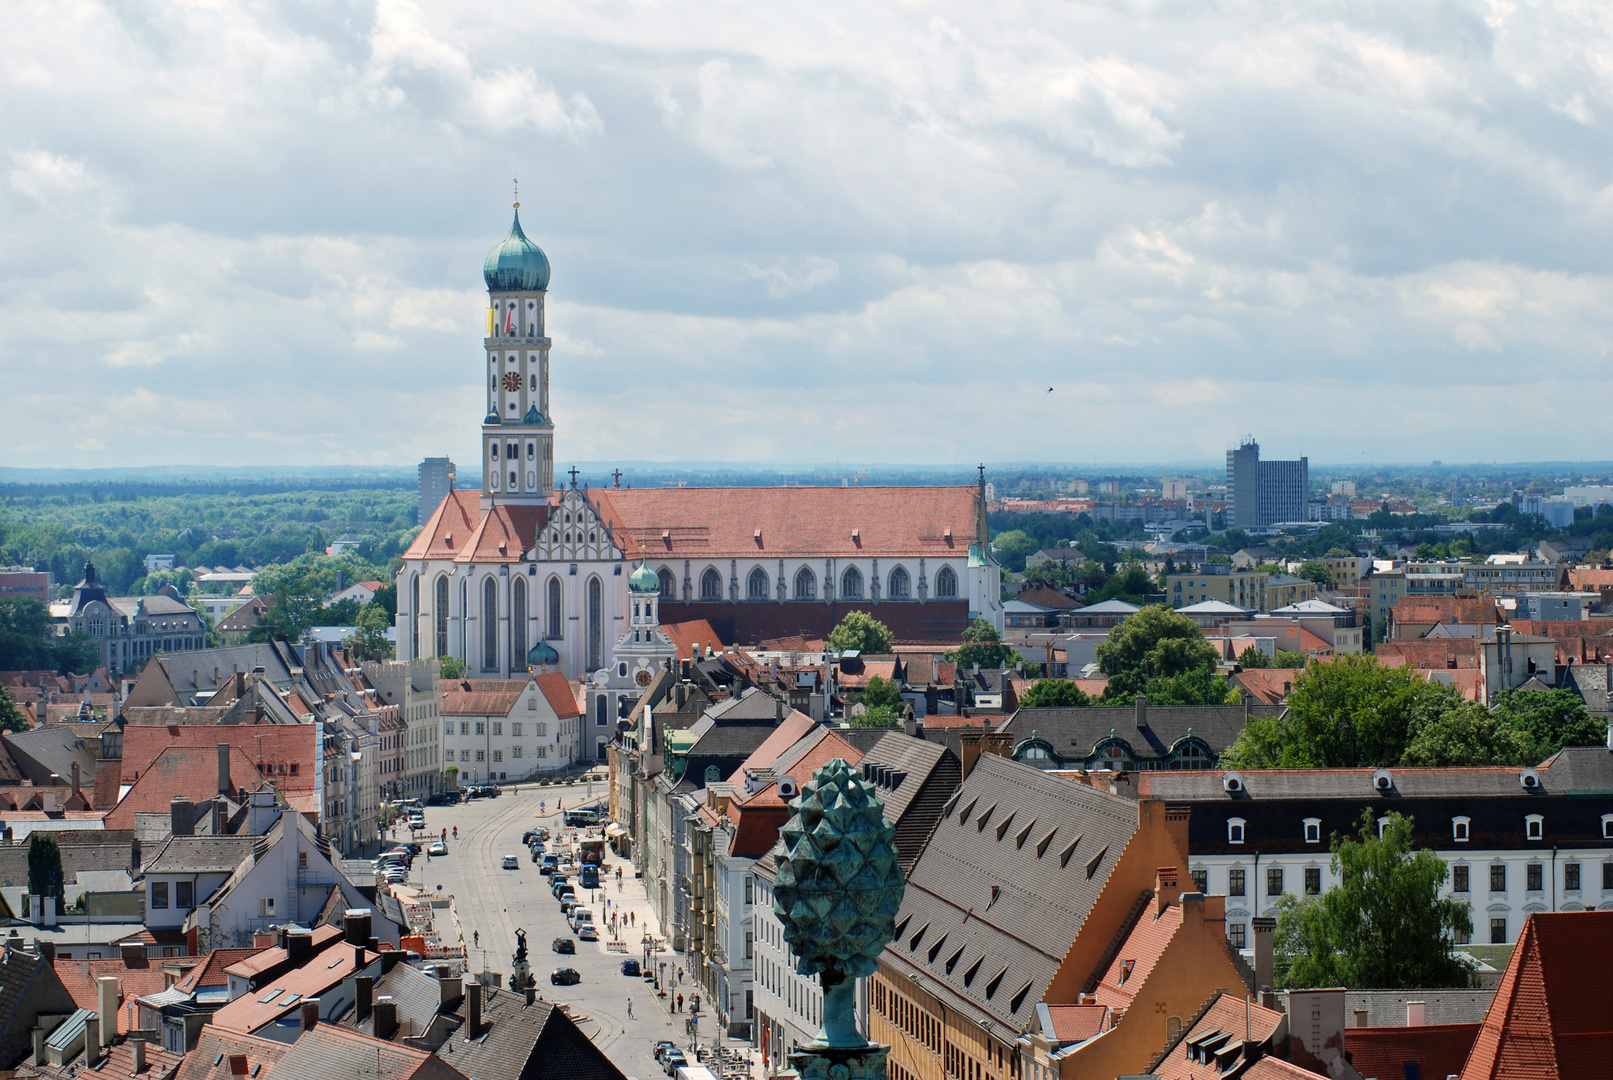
pixel 1416 1013
pixel 238 1065
pixel 1360 1018
pixel 47 950
pixel 1142 711
pixel 134 855
pixel 92 1040
pixel 1193 909
pixel 363 997
pixel 39 1035
pixel 356 923
pixel 106 1004
pixel 386 1017
pixel 1265 928
pixel 137 1054
pixel 473 1010
pixel 221 817
pixel 180 816
pixel 1166 889
pixel 50 911
pixel 299 943
pixel 910 721
pixel 310 1013
pixel 531 994
pixel 75 780
pixel 451 988
pixel 224 768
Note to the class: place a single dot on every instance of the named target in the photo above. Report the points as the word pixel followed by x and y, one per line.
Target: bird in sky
pixel 1049 389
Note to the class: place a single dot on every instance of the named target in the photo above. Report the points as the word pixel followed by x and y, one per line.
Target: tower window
pixel 494 449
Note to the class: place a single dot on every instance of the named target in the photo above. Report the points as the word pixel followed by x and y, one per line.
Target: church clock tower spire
pixel 517 434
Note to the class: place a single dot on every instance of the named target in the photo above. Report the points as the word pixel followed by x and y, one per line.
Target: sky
pixel 252 232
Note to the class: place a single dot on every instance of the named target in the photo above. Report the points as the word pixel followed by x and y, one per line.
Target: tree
pixel 1012 547
pixel 1347 713
pixel 1549 720
pixel 860 630
pixel 1466 733
pixel 1155 643
pixel 44 865
pixel 1384 926
pixel 1317 571
pixel 11 717
pixel 1252 657
pixel 882 693
pixel 450 667
pixel 369 633
pixel 984 646
pixel 1200 686
pixel 1285 659
pixel 877 716
pixel 1054 694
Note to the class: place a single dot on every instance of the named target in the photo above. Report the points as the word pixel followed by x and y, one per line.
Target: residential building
pixel 128 629
pixel 1018 900
pixel 318 1052
pixel 1218 581
pixel 30 991
pixel 1511 574
pixel 1517 840
pixel 1143 738
pixel 1416 617
pixel 1104 615
pixel 1510 660
pixel 1262 493
pixel 411 685
pixel 436 476
pixel 19 581
pixel 240 618
pixel 1332 623
pixel 1285 590
pixel 509 729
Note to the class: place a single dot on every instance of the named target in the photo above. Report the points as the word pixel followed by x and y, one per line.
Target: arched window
pixel 556 627
pixel 596 624
pixel 518 625
pixel 946 583
pixel 806 584
pixel 667 584
pixel 901 587
pixel 851 584
pixel 711 584
pixel 414 616
pixel 756 585
pixel 440 616
pixel 600 705
pixel 489 625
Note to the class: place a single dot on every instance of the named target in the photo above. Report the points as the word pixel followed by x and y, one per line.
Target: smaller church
pixel 523 575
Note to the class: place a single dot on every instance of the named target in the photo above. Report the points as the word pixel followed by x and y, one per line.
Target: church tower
pixel 517 435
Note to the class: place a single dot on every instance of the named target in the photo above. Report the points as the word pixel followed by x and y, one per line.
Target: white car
pixel 511 863
pixel 437 850
pixel 588 933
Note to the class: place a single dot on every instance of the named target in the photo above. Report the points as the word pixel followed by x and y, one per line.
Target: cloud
pixel 1193 221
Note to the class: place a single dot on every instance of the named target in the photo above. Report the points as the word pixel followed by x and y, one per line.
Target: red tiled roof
pixel 263 959
pixel 1078 1023
pixel 759 817
pixel 210 972
pixel 481 697
pixel 269 743
pixel 1589 578
pixel 1265 686
pixel 725 522
pixel 461 530
pixel 1432 653
pixel 559 693
pixel 1438 1049
pixel 1479 610
pixel 251 1012
pixel 1136 959
pixel 691 638
pixel 135 980
pixel 1552 1016
pixel 1228 1013
pixel 181 770
pixel 1271 1068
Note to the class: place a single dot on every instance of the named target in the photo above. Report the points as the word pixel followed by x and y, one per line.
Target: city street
pixel 493 902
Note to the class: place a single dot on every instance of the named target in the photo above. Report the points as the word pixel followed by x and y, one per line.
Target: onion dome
pixel 542 655
pixel 644 580
pixel 516 264
pixel 533 416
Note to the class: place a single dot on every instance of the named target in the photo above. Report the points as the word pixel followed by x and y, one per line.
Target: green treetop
pixel 860 630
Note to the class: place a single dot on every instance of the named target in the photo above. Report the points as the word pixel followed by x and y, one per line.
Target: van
pixel 581 916
pixel 695 1072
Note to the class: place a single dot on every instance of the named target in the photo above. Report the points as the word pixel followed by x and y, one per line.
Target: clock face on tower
pixel 512 381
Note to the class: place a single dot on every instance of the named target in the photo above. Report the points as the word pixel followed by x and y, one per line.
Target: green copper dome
pixel 542 655
pixel 517 264
pixel 644 580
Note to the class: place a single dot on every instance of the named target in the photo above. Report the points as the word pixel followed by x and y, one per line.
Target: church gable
pixel 574 532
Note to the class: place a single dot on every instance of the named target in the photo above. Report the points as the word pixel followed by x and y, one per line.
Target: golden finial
pixel 518 193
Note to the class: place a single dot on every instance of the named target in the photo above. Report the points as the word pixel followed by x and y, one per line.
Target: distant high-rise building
pixel 1261 493
pixel 436 481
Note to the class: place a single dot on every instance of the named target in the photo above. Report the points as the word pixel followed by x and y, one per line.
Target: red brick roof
pixel 461 530
pixel 181 770
pixel 1438 1049
pixel 691 638
pixel 1589 578
pixel 1265 686
pixel 1432 653
pixel 272 744
pixel 135 980
pixel 1136 959
pixel 1479 610
pixel 1552 1017
pixel 1078 1023
pixel 558 691
pixel 1228 1013
pixel 481 697
pixel 210 972
pixel 725 522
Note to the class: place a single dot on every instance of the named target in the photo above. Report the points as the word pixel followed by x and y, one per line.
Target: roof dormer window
pixel 1459 829
pixel 1313 830
pixel 1534 826
pixel 1607 826
pixel 1235 830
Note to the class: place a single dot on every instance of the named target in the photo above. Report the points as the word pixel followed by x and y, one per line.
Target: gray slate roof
pixel 201 855
pixel 1387 1008
pixel 915 779
pixel 1072 835
pixel 525 1042
pixel 52 749
pixel 1076 732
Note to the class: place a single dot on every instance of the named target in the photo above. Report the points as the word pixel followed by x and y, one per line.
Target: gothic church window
pixel 756 585
pixel 711 584
pixel 667 583
pixel 440 616
pixel 518 626
pixel 414 616
pixel 555 626
pixel 596 624
pixel 489 625
pixel 946 582
pixel 851 584
pixel 900 586
pixel 806 585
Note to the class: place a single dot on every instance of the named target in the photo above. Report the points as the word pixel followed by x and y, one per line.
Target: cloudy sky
pixel 252 233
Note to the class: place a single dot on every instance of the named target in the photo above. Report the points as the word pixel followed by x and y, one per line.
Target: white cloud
pixel 1190 221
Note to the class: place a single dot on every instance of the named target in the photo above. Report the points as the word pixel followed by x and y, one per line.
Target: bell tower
pixel 517 433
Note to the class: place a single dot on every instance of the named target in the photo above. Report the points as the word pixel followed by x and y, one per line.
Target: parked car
pixel 586 932
pixel 437 850
pixel 630 967
pixel 673 1060
pixel 565 977
pixel 511 863
pixel 558 882
pixel 566 904
pixel 529 836
pixel 665 1044
pixel 563 945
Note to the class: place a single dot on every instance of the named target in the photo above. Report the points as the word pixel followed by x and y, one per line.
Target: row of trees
pixel 29 642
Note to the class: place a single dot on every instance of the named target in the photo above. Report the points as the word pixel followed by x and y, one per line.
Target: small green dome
pixel 516 264
pixel 644 580
pixel 542 655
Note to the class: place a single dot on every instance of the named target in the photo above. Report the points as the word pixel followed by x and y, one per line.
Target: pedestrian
pixel 476 937
pixel 456 832
pixel 630 1008
pixel 632 919
pixel 680 1002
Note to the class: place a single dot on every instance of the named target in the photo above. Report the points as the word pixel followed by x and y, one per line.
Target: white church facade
pixel 521 575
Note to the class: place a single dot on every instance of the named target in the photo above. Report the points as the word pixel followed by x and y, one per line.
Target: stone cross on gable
pixel 573 472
